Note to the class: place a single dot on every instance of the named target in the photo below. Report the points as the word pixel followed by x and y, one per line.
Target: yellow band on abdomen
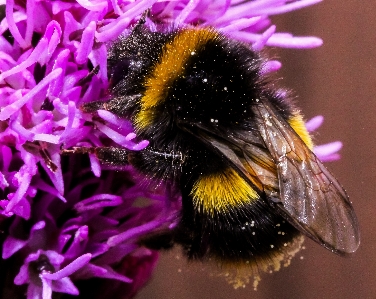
pixel 221 192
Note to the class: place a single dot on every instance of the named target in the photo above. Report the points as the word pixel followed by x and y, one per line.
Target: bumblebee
pixel 233 145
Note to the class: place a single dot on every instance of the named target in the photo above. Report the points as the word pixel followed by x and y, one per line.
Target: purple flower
pixel 41 271
pixel 68 220
pixel 93 234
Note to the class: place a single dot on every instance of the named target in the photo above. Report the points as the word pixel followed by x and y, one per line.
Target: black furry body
pixel 211 99
pixel 221 83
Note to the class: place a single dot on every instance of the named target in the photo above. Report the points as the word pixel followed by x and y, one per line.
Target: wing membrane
pixel 311 198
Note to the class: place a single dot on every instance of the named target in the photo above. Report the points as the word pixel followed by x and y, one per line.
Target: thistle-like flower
pixel 67 220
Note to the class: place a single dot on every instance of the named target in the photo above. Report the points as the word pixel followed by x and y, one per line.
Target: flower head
pixel 68 219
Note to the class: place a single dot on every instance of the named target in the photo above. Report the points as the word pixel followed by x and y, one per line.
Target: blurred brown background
pixel 337 80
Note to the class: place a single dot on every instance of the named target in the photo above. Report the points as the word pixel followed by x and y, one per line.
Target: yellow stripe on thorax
pixel 297 123
pixel 171 66
pixel 222 191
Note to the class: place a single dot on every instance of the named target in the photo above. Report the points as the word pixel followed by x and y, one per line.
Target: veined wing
pixel 311 198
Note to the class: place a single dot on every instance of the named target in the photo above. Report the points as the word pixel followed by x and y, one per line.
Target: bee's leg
pixel 118 105
pixel 106 154
pixel 89 76
pixel 92 107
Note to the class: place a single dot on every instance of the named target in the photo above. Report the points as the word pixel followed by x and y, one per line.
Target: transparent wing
pixel 310 197
pixel 275 161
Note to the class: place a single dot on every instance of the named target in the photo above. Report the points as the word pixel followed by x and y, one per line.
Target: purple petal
pixel 12 25
pixel 99 57
pixel 121 124
pixel 22 209
pixel 121 139
pixel 33 58
pixel 53 35
pixel 115 254
pixel 111 274
pixel 240 24
pixel 55 258
pixel 134 232
pixel 264 38
pixel 56 86
pixel 17 196
pixel 71 117
pixel 55 176
pixel 271 66
pixel 91 270
pixel 287 7
pixel 47 288
pixel 280 40
pixel 96 6
pixel 98 201
pixel 12 245
pixel 6 154
pixel 186 11
pixel 328 152
pixel 116 28
pixel 80 240
pixel 22 276
pixel 54 139
pixel 49 189
pixel 64 285
pixel 34 292
pixel 314 123
pixel 86 44
pixel 30 6
pixel 259 8
pixel 69 269
pixel 18 128
pixel 71 26
pixel 284 41
pixel 95 165
pixel 3 181
pixel 6 112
